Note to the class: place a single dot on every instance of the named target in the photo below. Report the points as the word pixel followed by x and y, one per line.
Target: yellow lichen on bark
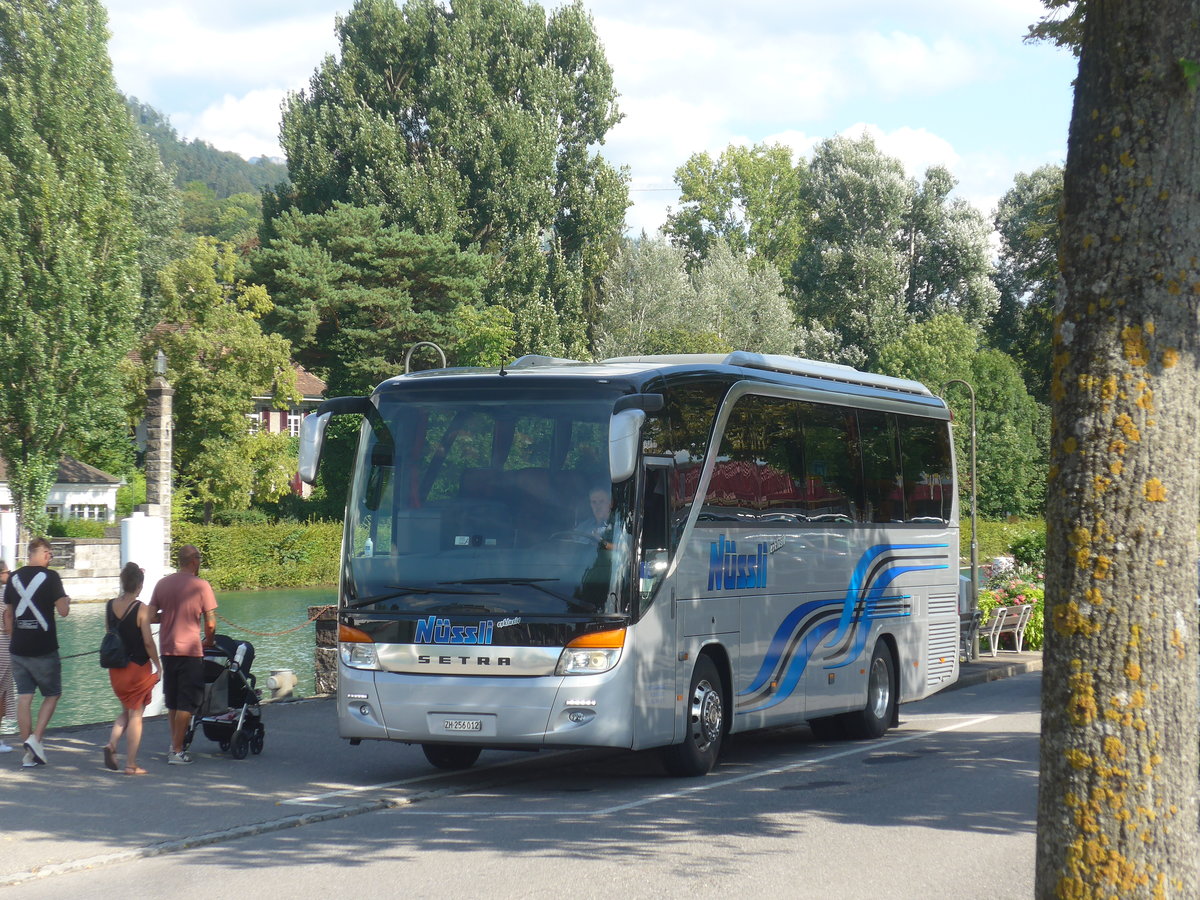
pixel 1134 341
pixel 1082 704
pixel 1103 564
pixel 1170 357
pixel 1155 491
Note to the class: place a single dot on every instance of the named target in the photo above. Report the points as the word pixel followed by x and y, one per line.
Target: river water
pixel 88 698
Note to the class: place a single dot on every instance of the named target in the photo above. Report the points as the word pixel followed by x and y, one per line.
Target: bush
pixel 240 517
pixel 997 538
pixel 1030 550
pixel 249 557
pixel 75 528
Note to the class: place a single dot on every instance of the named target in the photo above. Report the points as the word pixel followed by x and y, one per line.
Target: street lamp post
pixel 974 520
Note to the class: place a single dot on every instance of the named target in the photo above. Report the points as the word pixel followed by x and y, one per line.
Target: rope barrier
pixel 304 624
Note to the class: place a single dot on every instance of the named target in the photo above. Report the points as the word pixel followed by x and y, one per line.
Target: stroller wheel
pixel 239 744
pixel 256 740
pixel 224 746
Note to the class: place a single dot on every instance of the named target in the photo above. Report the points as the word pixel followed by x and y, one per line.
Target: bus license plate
pixel 463 724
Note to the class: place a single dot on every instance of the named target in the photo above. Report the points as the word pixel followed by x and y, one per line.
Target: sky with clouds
pixel 934 81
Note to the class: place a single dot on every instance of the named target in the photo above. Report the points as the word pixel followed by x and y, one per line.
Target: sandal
pixel 110 758
pixel 135 770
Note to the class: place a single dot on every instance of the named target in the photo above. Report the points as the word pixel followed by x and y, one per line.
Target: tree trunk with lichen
pixel 1117 811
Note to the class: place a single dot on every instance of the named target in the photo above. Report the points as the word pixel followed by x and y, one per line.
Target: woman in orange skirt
pixel 130 618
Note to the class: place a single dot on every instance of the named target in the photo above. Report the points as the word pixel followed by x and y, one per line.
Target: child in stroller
pixel 230 714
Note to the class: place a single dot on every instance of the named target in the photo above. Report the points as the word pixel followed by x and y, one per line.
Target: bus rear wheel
pixel 707 711
pixel 447 756
pixel 874 719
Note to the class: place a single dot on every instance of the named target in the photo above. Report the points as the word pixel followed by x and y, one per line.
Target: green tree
pixel 1027 222
pixel 474 121
pixel 1117 800
pixel 752 197
pixel 650 301
pixel 746 306
pixel 68 243
pixel 218 359
pixel 353 293
pixel 883 249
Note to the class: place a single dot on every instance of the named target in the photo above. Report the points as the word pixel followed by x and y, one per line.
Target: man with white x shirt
pixel 34 594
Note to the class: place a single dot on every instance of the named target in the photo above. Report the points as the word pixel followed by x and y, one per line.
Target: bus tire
pixel 874 719
pixel 451 756
pixel 707 714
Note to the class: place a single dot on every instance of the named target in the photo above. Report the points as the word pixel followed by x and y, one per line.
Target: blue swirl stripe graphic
pixel 804 629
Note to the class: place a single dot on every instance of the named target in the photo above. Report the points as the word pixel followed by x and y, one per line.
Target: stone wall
pixel 90 568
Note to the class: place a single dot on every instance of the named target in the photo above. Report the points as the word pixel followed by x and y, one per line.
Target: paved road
pixel 948 796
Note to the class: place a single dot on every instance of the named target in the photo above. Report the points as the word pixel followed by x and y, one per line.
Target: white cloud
pixel 899 64
pixel 182 47
pixel 248 125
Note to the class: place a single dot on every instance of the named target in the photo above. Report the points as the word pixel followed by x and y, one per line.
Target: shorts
pixel 43 673
pixel 183 682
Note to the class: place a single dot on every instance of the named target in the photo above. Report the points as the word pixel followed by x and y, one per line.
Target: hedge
pixel 996 538
pixel 249 557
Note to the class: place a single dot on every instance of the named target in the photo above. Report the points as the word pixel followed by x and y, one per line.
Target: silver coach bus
pixel 644 552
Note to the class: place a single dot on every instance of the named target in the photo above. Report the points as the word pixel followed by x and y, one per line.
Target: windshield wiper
pixel 498 581
pixel 404 589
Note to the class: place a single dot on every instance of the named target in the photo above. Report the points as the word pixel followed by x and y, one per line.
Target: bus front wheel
pixel 874 719
pixel 706 726
pixel 447 756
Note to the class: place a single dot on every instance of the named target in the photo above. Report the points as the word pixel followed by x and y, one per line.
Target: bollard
pixel 282 683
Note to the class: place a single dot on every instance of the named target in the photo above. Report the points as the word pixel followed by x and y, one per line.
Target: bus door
pixel 654 694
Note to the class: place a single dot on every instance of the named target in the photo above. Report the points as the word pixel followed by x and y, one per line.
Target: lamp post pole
pixel 974 518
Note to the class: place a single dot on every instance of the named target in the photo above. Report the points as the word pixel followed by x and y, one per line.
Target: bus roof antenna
pixel 408 355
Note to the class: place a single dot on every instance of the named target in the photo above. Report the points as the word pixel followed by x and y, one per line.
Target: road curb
pixel 971 674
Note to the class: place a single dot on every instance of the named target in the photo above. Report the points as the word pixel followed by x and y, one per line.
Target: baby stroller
pixel 230 713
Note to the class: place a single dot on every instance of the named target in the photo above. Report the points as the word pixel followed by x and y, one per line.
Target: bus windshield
pixel 463 504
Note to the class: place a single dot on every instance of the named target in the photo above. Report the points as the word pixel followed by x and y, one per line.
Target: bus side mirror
pixel 312 439
pixel 624 439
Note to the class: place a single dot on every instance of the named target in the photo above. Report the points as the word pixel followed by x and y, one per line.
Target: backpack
pixel 112 649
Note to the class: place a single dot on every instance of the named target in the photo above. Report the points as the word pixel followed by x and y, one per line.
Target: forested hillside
pixel 224 173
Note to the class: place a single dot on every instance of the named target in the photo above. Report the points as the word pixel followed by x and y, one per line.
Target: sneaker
pixel 28 762
pixel 182 758
pixel 4 748
pixel 34 746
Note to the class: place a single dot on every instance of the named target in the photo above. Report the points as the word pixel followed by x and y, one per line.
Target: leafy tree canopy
pixel 883 249
pixel 475 122
pixel 1027 275
pixel 68 244
pixel 353 293
pixel 218 359
pixel 654 307
pixel 751 197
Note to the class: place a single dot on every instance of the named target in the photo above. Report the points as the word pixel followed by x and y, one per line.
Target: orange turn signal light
pixel 350 635
pixel 601 639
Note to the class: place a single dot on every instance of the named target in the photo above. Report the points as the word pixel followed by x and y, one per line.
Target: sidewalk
pixel 74 814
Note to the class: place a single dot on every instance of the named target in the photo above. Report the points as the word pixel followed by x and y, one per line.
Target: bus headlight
pixel 592 653
pixel 586 662
pixel 359 656
pixel 356 648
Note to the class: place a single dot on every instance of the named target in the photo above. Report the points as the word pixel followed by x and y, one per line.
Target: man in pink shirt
pixel 180 603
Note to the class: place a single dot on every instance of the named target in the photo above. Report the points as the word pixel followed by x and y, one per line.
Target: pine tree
pixel 69 280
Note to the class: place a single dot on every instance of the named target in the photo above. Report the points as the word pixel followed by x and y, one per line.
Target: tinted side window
pixel 759 469
pixel 928 474
pixel 681 431
pixel 831 466
pixel 882 484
